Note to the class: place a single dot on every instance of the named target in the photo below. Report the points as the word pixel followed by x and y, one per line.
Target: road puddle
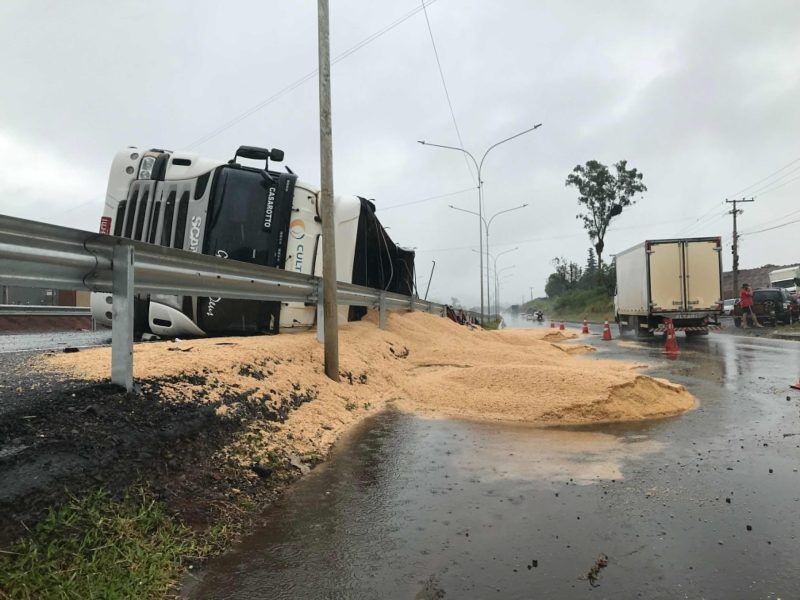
pixel 555 455
pixel 406 501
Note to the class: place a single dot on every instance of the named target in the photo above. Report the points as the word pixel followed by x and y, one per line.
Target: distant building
pixel 31 296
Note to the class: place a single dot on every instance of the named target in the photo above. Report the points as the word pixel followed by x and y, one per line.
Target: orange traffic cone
pixel 671 347
pixel 796 385
pixel 561 326
pixel 552 324
pixel 585 330
pixel 606 332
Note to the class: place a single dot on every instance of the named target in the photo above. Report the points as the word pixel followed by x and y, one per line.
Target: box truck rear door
pixel 703 287
pixel 666 277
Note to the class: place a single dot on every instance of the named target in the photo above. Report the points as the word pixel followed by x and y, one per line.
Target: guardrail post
pixel 411 304
pixel 320 316
pixel 382 311
pixel 122 318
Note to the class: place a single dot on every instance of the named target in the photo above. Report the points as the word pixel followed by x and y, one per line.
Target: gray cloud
pixel 701 97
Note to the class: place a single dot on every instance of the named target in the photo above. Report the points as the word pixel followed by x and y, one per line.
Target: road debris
pixel 594 573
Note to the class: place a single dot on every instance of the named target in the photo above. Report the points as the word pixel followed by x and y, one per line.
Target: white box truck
pixel 787 278
pixel 678 279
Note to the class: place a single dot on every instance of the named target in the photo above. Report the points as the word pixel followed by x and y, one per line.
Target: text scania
pixel 212 302
pixel 269 208
pixel 194 234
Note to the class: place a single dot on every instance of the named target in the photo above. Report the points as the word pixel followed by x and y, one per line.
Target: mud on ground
pixel 61 437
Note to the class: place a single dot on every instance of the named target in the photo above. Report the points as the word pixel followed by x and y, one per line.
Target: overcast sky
pixel 702 97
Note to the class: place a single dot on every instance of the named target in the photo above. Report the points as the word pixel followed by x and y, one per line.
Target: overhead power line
pixel 707 216
pixel 308 77
pixel 771 221
pixel 772 189
pixel 556 238
pixel 385 208
pixel 770 228
pixel 446 91
pixel 752 185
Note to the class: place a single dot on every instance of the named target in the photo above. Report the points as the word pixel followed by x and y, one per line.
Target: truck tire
pixel 620 326
pixel 637 329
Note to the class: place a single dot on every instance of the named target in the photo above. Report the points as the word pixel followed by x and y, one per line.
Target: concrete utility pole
pixel 735 247
pixel 428 289
pixel 329 307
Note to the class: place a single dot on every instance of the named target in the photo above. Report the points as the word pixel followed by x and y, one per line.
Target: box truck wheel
pixel 636 323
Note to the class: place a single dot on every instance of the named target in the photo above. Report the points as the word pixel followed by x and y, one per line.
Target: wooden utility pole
pixel 329 307
pixel 735 246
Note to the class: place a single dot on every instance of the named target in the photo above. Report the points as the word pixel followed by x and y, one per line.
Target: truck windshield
pixel 785 283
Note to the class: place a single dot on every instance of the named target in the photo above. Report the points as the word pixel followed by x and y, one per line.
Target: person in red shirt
pixel 746 302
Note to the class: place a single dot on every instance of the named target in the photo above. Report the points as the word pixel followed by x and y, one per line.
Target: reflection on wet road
pixel 701 506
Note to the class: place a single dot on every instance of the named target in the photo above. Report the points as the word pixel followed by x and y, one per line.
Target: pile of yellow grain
pixel 421 363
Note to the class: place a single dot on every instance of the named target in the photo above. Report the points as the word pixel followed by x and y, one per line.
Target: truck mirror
pixel 276 155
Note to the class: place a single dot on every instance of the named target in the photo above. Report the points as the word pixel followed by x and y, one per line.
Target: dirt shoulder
pixel 220 426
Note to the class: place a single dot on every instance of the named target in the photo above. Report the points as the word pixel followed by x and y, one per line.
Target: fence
pixel 43 255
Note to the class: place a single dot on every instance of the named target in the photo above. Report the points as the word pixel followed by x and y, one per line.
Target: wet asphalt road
pixel 57 340
pixel 706 505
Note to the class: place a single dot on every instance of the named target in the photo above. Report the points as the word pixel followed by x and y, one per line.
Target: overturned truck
pixel 241 212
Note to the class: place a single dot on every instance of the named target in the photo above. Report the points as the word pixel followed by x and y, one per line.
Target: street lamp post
pixel 497 286
pixel 479 169
pixel 495 272
pixel 486 225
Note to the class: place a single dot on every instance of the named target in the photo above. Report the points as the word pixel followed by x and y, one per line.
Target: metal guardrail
pixel 43 255
pixel 30 310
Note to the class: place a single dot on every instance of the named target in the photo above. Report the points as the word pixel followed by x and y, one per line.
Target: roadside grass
pixel 592 304
pixel 492 324
pixel 99 547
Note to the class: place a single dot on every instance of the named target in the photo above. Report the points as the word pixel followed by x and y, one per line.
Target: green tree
pixel 566 277
pixel 591 263
pixel 603 195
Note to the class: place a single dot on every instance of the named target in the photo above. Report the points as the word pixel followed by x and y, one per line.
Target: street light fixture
pixel 486 225
pixel 479 169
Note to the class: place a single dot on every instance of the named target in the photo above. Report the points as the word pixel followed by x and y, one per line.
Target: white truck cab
pixel 240 212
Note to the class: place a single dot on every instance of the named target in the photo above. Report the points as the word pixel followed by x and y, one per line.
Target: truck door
pixel 703 285
pixel 666 277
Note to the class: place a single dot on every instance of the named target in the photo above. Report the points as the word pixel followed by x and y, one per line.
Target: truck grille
pixel 155 212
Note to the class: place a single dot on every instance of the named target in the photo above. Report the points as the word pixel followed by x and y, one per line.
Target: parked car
pixel 771 307
pixel 727 306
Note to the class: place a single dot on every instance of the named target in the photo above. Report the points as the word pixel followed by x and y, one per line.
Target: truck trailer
pixel 788 278
pixel 238 211
pixel 678 279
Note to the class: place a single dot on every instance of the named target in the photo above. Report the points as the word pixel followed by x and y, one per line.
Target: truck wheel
pixel 637 329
